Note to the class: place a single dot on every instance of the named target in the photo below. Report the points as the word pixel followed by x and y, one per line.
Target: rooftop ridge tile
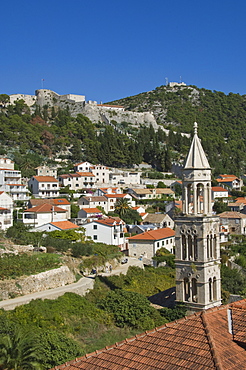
pixel 215 357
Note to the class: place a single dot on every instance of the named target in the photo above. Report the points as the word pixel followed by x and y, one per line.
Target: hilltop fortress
pixel 91 109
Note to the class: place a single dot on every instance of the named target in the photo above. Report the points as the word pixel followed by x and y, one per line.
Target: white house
pixel 219 192
pixel 46 171
pixel 93 202
pixel 230 181
pixel 90 213
pixel 43 214
pixel 58 202
pixel 10 180
pixel 109 231
pixel 125 178
pixel 103 191
pixel 101 173
pixel 6 211
pixel 146 244
pixel 78 180
pixel 44 186
pixel 83 167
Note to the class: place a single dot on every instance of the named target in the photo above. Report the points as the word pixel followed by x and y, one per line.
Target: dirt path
pixel 81 287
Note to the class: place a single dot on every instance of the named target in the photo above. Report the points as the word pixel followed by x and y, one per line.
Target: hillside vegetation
pixel 50 133
pixel 221 119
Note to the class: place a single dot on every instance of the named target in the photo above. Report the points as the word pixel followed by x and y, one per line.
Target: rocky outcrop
pixel 36 283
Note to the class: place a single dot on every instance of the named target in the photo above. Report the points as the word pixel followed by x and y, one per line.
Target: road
pixel 81 287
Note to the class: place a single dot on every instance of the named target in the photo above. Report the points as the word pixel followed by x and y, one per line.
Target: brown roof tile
pixel 198 342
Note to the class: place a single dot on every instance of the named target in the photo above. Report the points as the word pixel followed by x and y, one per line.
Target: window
pixel 158 244
pixel 167 242
pixel 94 237
pixel 95 227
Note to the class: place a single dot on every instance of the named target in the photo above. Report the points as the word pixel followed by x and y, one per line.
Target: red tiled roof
pixel 64 225
pixel 228 176
pixel 115 195
pixel 3 209
pixel 15 184
pixel 91 210
pixel 219 188
pixel 45 208
pixel 45 178
pixel 158 234
pixel 58 201
pixel 86 174
pixel 110 221
pixel 241 200
pixel 198 342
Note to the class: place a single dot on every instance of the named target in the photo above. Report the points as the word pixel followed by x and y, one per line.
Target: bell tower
pixel 197 247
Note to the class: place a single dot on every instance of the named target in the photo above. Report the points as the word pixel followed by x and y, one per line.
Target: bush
pixel 131 309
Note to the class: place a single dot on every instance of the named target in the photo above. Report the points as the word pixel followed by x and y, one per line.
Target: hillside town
pixel 97 190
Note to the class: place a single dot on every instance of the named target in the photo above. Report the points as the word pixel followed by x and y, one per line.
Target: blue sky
pixel 111 49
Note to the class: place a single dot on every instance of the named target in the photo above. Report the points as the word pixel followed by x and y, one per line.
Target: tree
pixel 122 207
pixel 219 206
pixel 55 348
pixel 19 351
pixel 4 99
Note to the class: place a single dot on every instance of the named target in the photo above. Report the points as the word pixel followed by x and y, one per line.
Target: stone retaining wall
pixel 36 283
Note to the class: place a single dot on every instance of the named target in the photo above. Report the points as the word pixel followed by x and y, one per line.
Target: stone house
pixel 150 193
pixel 160 220
pixel 234 222
pixel 146 244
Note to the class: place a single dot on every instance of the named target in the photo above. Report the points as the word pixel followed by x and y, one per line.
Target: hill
pixel 48 131
pixel 221 119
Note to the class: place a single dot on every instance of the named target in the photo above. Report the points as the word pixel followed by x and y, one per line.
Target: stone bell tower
pixel 197 235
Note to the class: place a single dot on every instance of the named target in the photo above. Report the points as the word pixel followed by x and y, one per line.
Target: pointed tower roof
pixel 196 157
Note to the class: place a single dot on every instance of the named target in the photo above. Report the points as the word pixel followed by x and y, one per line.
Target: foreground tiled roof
pixel 198 342
pixel 158 234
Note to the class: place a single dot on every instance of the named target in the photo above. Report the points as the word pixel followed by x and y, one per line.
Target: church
pixel 213 336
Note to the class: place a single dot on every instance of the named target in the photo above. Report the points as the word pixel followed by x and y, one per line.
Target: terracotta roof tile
pixel 45 178
pixel 165 232
pixel 64 225
pixel 198 342
pixel 45 208
pixel 57 201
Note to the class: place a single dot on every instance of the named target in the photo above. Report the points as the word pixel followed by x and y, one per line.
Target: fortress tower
pixel 197 235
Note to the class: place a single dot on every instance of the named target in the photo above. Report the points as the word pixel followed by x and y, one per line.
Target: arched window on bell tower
pixel 184 254
pixel 186 289
pixel 214 289
pixel 210 289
